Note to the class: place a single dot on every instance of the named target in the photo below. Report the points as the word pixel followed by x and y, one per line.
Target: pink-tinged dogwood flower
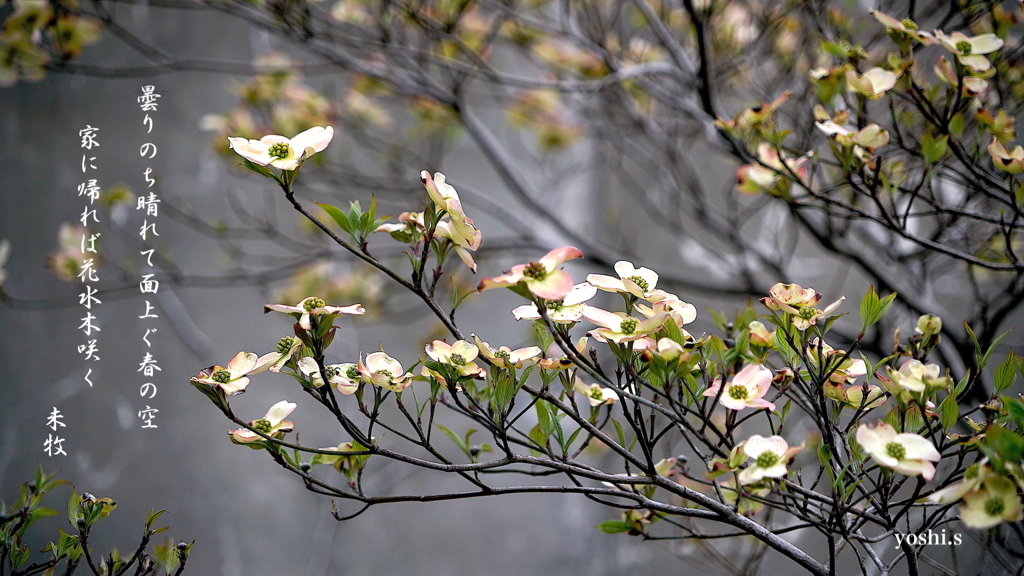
pixel 874 83
pixel 760 336
pixel 799 302
pixel 636 281
pixel 996 502
pixel 564 311
pixel 272 424
pixel 544 278
pixel 770 458
pixel 409 223
pixel 1011 161
pixel 970 85
pixel 344 377
pixel 313 306
pixel 505 357
pixel 906 453
pixel 596 395
pixel 969 49
pixel 763 176
pixel 459 356
pixel 284 153
pixel 384 371
pixel 232 379
pixel 745 390
pixel 680 312
pixel 620 327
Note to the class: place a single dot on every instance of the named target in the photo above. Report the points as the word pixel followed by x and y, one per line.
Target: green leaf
pixel 956 125
pixel 720 320
pixel 41 512
pixel 785 350
pixel 621 436
pixel 1003 444
pixel 949 412
pixel 340 217
pixel 837 50
pixel 614 527
pixel 872 309
pixel 962 384
pixel 933 149
pixel 1016 409
pixel 1006 373
pixel 992 348
pixel 73 502
pixel 455 438
pixel 544 338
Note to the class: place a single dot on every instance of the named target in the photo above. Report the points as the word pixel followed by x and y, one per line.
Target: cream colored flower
pixel 233 377
pixel 384 371
pixel 505 357
pixel 459 356
pixel 969 49
pixel 313 306
pixel 271 424
pixel 770 458
pixel 874 83
pixel 596 395
pixel 281 152
pixel 906 453
pixel 995 503
pixel 632 280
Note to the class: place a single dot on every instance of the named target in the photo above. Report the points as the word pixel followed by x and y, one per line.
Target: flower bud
pixel 929 325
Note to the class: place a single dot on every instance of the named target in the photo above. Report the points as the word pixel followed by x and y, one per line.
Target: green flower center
pixel 385 373
pixel 972 472
pixel 738 392
pixel 767 459
pixel 310 304
pixel 222 376
pixel 353 373
pixel 909 24
pixel 262 425
pixel 808 313
pixel 330 372
pixel 553 304
pixel 503 354
pixel 995 506
pixel 628 326
pixel 279 150
pixel 964 47
pixel 596 394
pixel 285 344
pixel 535 270
pixel 640 282
pixel 457 360
pixel 896 450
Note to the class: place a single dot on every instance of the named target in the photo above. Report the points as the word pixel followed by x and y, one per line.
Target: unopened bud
pixel 928 325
